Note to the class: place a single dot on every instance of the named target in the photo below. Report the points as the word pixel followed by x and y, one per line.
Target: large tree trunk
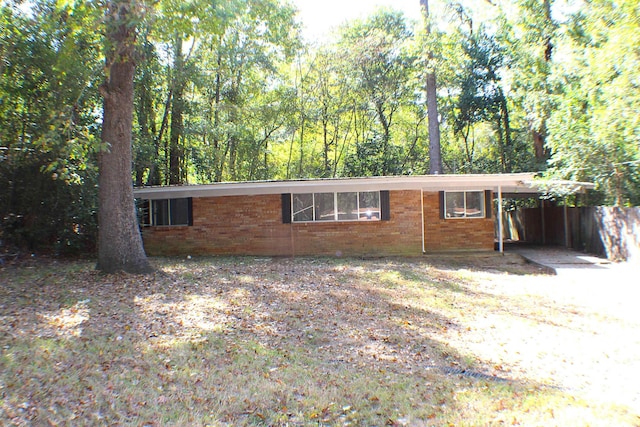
pixel 386 137
pixel 538 144
pixel 507 149
pixel 435 157
pixel 177 109
pixel 119 241
pixel 218 157
pixel 539 134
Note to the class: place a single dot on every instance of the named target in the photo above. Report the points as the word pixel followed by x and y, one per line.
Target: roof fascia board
pixel 515 183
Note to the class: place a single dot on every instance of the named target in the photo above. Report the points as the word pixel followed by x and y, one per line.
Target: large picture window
pixel 344 206
pixel 166 212
pixel 464 204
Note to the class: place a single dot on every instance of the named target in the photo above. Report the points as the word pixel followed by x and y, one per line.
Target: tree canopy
pixel 229 91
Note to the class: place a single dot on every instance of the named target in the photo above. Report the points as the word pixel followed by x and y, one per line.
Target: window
pixel 348 206
pixel 344 206
pixel 369 206
pixel 324 204
pixel 302 207
pixel 166 212
pixel 464 204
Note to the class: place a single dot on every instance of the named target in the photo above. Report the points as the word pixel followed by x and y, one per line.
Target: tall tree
pixel 435 158
pixel 240 65
pixel 382 67
pixel 479 97
pixel 533 48
pixel 119 241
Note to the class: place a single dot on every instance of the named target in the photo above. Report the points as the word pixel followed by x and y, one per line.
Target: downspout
pixel 424 249
pixel 500 237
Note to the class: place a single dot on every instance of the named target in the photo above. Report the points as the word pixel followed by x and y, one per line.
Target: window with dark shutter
pixel 337 206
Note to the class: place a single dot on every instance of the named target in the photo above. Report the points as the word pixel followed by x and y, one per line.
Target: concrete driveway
pixel 595 350
pixel 562 261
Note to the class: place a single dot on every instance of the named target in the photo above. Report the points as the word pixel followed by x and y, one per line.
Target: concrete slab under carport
pixel 559 260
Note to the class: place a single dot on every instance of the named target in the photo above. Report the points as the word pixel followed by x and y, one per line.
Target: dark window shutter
pixel 442 207
pixel 488 203
pixel 286 208
pixel 190 210
pixel 385 208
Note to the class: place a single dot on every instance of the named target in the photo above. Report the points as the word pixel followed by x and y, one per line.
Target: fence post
pixel 544 232
pixel 566 224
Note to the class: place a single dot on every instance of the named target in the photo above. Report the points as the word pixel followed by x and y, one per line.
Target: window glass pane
pixel 454 204
pixel 369 205
pixel 179 211
pixel 475 204
pixel 302 207
pixel 347 206
pixel 160 212
pixel 324 207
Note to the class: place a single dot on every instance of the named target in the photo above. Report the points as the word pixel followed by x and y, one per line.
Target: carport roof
pixel 514 183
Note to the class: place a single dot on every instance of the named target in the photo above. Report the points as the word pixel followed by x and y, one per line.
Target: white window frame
pixel 335 208
pixel 152 216
pixel 465 214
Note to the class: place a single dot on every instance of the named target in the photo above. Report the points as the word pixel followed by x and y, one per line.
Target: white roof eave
pixel 508 183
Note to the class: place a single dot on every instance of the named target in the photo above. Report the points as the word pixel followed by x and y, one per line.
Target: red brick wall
pixel 230 225
pixel 454 234
pixel 252 225
pixel 399 236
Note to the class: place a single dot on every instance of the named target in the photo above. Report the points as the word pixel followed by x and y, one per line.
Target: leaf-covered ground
pixel 256 341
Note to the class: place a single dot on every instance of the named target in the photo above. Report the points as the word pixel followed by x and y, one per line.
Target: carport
pixel 542 190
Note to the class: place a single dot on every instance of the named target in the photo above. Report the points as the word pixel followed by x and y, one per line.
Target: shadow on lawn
pixel 238 341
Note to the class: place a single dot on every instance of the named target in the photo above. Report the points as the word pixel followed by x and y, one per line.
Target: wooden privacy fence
pixel 612 232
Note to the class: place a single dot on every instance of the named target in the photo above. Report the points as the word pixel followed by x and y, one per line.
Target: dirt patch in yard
pixel 473 340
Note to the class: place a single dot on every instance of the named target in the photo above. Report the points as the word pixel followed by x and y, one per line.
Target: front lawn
pixel 257 341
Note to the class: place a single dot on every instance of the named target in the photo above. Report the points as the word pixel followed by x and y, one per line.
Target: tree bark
pixel 119 241
pixel 539 134
pixel 435 157
pixel 507 149
pixel 386 136
pixel 177 108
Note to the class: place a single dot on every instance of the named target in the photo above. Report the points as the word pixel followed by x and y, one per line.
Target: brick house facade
pixel 418 215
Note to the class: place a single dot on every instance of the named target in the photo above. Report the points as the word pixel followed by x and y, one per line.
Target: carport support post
pixel 500 243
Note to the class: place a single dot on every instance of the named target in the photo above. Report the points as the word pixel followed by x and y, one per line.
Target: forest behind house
pixel 231 91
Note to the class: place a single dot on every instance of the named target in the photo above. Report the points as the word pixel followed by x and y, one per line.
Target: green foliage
pixel 595 130
pixel 219 106
pixel 369 160
pixel 228 91
pixel 532 44
pixel 49 122
pixel 476 106
pixel 383 70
